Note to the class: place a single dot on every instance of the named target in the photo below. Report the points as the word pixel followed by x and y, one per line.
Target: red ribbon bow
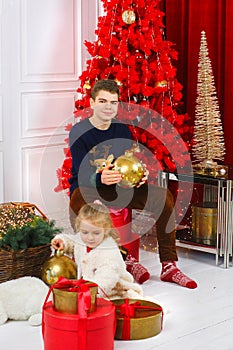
pixel 127 310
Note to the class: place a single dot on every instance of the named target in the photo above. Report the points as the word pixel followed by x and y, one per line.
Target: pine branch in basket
pixel 34 233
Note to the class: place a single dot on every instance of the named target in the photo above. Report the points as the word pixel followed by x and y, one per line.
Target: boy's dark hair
pixel 106 85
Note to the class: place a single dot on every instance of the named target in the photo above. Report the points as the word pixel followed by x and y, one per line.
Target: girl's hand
pixel 57 244
pixel 144 178
pixel 109 176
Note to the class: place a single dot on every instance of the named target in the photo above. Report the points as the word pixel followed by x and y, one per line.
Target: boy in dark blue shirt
pixel 97 138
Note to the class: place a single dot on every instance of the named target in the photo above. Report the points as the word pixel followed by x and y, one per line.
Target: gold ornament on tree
pixel 162 83
pixel 208 146
pixel 87 85
pixel 119 83
pixel 128 16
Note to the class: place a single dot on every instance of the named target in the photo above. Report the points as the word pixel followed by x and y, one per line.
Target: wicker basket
pixel 27 262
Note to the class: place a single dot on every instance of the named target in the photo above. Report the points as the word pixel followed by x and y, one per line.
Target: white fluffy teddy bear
pixel 22 299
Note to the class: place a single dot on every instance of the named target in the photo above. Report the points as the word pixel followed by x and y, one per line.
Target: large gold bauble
pixel 57 266
pixel 131 170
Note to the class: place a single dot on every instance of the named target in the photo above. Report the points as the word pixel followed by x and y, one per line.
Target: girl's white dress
pixel 103 265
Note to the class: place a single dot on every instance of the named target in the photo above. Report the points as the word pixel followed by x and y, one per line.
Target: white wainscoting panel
pixel 89 20
pixel 46 113
pixel 39 181
pixel 48 40
pixel 42 55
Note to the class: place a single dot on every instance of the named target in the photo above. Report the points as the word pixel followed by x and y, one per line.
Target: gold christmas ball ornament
pixel 87 85
pixel 57 266
pixel 119 83
pixel 128 16
pixel 162 83
pixel 131 169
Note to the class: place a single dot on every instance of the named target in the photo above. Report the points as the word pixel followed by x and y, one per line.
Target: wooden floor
pixel 194 319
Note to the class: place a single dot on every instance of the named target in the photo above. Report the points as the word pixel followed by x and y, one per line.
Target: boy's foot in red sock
pixel 171 273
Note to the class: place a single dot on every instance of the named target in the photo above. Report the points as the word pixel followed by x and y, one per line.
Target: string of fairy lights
pixel 13 217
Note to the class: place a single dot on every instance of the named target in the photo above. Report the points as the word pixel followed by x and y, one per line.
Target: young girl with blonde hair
pixel 96 253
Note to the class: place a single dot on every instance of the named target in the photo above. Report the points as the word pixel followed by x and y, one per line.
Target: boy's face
pixel 104 106
pixel 90 234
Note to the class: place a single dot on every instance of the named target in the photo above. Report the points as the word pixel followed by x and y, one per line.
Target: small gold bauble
pixel 87 86
pixel 57 266
pixel 119 83
pixel 131 170
pixel 128 16
pixel 162 83
pixel 222 171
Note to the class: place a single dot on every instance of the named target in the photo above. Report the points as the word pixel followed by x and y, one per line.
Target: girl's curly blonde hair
pixel 97 214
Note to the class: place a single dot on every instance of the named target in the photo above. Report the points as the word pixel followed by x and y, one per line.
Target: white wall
pixel 42 55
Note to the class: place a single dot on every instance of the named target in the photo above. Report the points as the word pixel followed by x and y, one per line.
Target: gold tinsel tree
pixel 208 140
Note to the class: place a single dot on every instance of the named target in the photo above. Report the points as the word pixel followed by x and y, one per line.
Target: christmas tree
pixel 208 141
pixel 130 49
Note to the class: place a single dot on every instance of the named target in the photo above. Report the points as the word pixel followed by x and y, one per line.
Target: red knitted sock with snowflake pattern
pixel 171 273
pixel 139 272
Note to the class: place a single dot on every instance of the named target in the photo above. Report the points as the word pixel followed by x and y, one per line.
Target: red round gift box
pixel 63 331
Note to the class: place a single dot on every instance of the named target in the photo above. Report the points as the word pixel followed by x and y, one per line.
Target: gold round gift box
pixel 145 324
pixel 66 302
